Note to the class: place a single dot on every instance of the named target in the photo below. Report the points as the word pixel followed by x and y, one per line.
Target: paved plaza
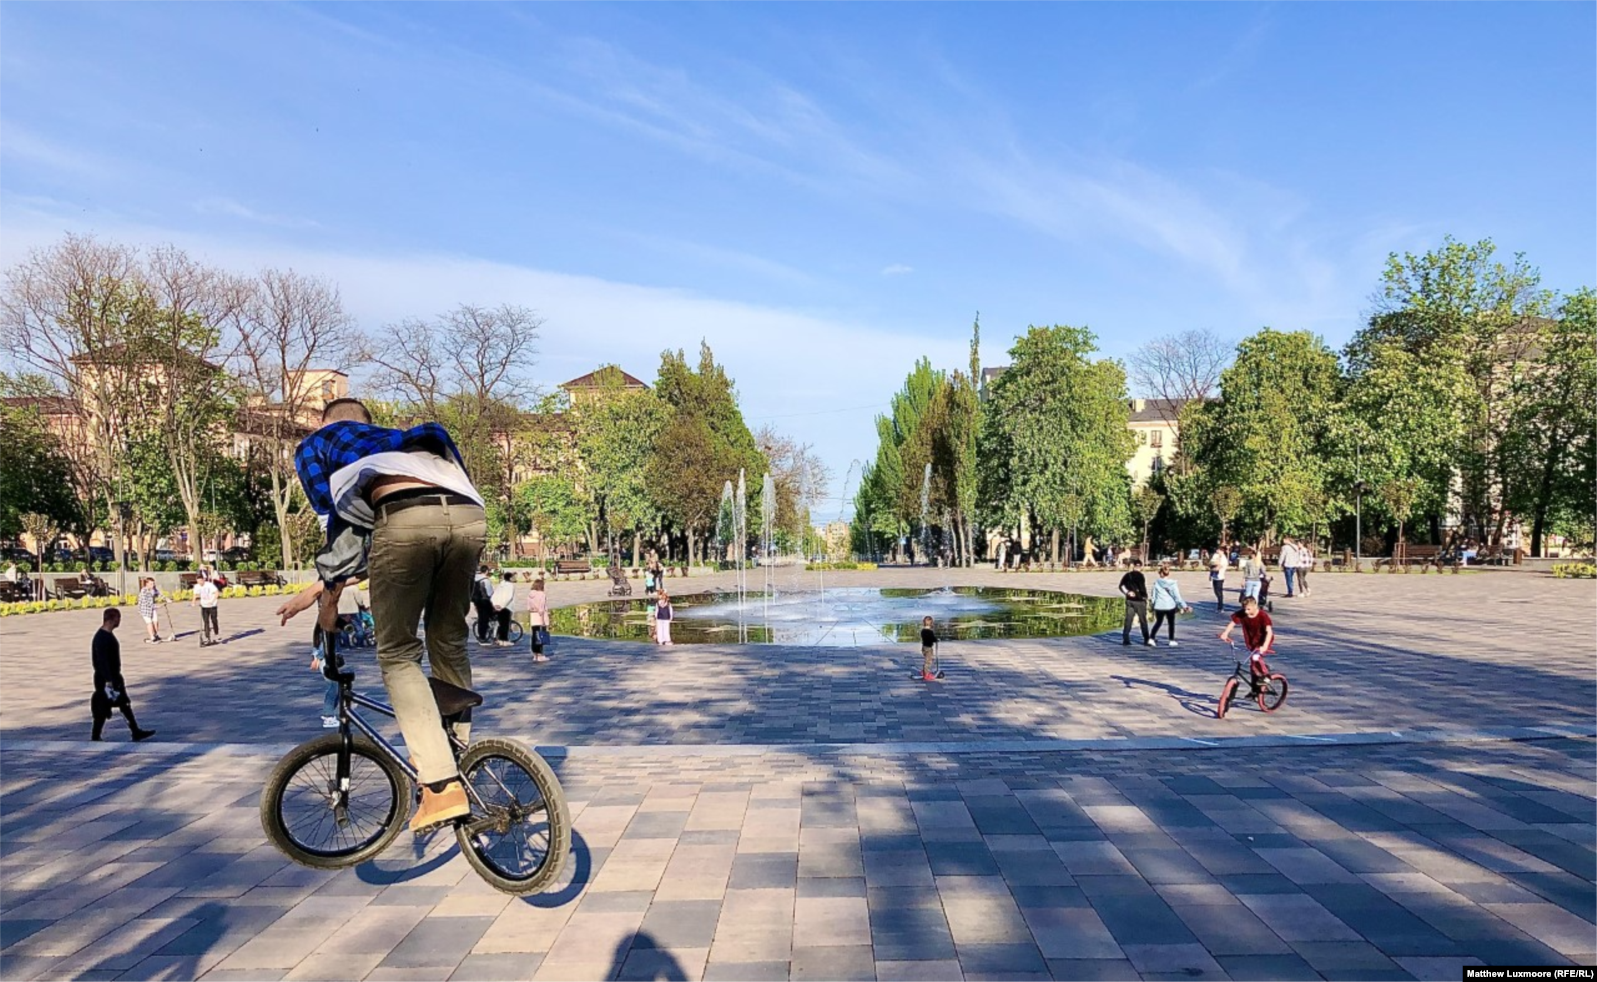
pixel 1065 808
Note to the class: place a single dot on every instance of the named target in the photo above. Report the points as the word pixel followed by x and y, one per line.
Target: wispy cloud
pixel 21 145
pixel 229 208
pixel 897 269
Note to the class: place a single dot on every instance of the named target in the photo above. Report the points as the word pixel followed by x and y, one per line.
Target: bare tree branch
pixel 1179 368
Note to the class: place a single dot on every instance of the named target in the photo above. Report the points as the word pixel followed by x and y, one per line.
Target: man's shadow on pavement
pixel 639 956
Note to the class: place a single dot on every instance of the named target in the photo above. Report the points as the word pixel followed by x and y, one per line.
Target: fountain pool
pixel 850 616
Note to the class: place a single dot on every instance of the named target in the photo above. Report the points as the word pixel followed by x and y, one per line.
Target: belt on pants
pixel 438 499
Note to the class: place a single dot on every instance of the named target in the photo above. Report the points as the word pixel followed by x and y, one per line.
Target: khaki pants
pixel 423 560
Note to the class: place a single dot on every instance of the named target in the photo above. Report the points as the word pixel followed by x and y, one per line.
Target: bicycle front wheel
pixel 1272 692
pixel 515 632
pixel 519 839
pixel 1226 695
pixel 301 811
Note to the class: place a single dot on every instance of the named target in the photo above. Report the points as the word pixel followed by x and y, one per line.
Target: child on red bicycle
pixel 1258 634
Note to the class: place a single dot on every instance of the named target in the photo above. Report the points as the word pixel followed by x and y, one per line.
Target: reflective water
pixel 851 616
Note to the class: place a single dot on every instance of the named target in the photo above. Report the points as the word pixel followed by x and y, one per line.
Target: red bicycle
pixel 1267 688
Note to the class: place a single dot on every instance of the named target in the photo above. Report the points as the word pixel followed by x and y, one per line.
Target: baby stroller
pixel 1264 592
pixel 619 587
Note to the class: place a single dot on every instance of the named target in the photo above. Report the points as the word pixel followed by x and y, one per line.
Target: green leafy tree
pixel 1267 434
pixel 889 491
pixel 616 432
pixel 35 475
pixel 1458 309
pixel 556 509
pixel 702 445
pixel 1399 495
pixel 1226 502
pixel 1146 502
pixel 1056 425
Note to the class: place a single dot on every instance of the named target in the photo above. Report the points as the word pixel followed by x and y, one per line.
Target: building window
pixel 1156 438
pixel 327 390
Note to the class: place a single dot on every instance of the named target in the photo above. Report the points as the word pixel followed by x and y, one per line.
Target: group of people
pixel 495 604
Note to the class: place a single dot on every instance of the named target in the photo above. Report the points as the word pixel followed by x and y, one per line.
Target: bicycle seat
pixel 452 699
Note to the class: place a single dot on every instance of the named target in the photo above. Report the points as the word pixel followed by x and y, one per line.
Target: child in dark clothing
pixel 928 650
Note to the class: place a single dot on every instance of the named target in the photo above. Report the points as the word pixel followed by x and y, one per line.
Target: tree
pixel 1459 308
pixel 1550 444
pixel 469 370
pixel 288 324
pixel 1056 425
pixel 1398 496
pixel 555 508
pixel 35 475
pixel 1146 502
pixel 889 492
pixel 800 477
pixel 616 433
pixel 1180 368
pixel 1226 502
pixel 42 529
pixel 62 309
pixel 1267 434
pixel 704 444
pixel 176 357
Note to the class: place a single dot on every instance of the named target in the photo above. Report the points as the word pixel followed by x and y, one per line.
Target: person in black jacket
pixel 1135 588
pixel 110 692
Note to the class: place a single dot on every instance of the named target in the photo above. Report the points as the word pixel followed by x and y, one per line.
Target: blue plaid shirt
pixel 338 445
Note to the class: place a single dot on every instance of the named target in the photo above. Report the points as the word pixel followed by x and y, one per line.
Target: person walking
pixel 1252 573
pixel 110 690
pixel 1134 587
pixel 1167 603
pixel 1217 568
pixel 1289 563
pixel 482 592
pixel 206 597
pixel 538 618
pixel 405 494
pixel 662 617
pixel 1305 567
pixel 503 602
pixel 149 596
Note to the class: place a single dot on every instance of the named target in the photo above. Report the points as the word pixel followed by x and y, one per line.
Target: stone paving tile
pixel 919 970
pixel 1269 968
pixel 842 964
pixel 497 968
pixel 659 963
pixel 745 971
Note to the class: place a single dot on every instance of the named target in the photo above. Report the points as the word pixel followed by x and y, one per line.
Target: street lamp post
pixel 123 512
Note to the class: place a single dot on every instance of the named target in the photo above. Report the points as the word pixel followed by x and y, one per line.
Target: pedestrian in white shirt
pixel 1289 562
pixel 503 601
pixel 206 596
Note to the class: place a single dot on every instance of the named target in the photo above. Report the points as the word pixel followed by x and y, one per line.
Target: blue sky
pixel 823 191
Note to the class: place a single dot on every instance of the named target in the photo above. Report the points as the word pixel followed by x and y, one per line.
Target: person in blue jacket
pixel 1167 603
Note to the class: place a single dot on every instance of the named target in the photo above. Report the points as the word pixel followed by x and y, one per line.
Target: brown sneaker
pixel 438 807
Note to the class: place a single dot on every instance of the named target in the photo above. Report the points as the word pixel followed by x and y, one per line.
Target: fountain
pixel 767 538
pixel 925 506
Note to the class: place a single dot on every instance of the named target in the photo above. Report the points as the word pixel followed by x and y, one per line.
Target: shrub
pixel 1578 571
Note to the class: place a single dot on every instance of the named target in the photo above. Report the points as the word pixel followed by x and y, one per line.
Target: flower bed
pixel 129 600
pixel 1575 571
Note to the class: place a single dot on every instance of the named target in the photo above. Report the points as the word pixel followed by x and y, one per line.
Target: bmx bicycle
pixel 1267 688
pixel 342 798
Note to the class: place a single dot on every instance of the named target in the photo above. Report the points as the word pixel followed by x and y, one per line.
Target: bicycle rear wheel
pixel 301 815
pixel 515 632
pixel 1272 692
pixel 518 842
pixel 1226 695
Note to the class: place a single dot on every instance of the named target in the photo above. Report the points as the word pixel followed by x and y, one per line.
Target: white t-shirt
pixel 206 593
pixel 504 597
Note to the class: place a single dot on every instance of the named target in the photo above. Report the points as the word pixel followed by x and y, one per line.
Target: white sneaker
pixel 329 722
pixel 1151 643
pixel 1173 644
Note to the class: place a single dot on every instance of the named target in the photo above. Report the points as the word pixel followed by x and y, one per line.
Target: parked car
pixel 238 554
pixel 102 554
pixel 165 556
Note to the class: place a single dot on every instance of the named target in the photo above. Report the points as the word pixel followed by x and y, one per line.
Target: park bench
pixel 1414 556
pixel 258 577
pixel 69 588
pixel 188 580
pixel 566 567
pixel 13 592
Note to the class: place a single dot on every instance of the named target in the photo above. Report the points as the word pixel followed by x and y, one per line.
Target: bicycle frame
pixel 348 699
